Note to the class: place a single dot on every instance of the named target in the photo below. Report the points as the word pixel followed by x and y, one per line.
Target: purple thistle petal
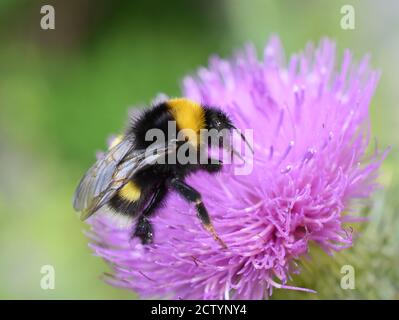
pixel 311 128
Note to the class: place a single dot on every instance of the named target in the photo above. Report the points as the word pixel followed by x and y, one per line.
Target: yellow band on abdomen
pixel 130 192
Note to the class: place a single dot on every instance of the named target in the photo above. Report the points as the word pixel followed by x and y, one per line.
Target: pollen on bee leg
pixel 206 222
pixel 210 228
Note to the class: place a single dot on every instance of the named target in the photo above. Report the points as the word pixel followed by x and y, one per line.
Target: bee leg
pixel 193 196
pixel 144 228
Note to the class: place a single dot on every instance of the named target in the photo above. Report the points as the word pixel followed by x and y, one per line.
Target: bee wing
pixel 97 179
pixel 112 172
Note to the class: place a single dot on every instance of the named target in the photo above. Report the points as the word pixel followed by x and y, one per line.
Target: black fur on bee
pixel 133 183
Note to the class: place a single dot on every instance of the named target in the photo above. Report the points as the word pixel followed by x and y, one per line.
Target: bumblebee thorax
pixel 189 117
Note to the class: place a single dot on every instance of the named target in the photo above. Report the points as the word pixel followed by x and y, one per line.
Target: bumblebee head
pixel 216 119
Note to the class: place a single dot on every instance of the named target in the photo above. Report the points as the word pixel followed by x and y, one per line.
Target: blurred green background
pixel 63 91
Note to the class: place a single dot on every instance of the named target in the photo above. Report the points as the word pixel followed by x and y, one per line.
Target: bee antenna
pixel 243 138
pixel 235 153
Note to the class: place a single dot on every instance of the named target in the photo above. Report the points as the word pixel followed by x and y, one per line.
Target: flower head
pixel 310 121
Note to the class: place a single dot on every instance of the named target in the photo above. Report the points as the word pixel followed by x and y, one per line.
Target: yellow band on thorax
pixel 189 117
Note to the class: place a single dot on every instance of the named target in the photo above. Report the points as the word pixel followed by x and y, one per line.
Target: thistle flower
pixel 311 128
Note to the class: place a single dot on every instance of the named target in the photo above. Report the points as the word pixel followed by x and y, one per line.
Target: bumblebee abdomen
pixel 128 199
pixel 130 192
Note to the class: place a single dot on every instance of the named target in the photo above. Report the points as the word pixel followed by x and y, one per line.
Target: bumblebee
pixel 132 181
